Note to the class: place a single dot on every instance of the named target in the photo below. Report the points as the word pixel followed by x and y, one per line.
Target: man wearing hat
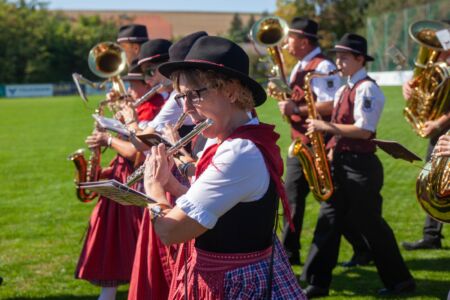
pixel 303 44
pixel 130 38
pixel 358 176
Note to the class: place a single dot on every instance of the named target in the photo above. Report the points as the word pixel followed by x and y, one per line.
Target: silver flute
pixel 199 128
pixel 150 93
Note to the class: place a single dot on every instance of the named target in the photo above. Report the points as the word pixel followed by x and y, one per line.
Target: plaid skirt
pixel 215 276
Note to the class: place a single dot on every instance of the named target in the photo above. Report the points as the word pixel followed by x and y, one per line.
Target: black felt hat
pixel 132 33
pixel 304 27
pixel 134 73
pixel 179 50
pixel 221 55
pixel 154 51
pixel 352 42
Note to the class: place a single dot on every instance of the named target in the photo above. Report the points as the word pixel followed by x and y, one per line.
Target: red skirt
pixel 154 262
pixel 110 244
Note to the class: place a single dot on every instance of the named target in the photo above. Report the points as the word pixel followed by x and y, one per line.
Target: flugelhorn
pixel 199 128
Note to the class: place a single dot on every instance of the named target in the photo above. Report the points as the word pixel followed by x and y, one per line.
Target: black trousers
pixel 357 201
pixel 432 229
pixel 297 190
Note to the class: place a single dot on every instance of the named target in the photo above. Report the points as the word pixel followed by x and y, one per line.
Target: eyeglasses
pixel 150 72
pixel 193 96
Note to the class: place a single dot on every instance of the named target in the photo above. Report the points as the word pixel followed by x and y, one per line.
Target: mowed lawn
pixel 42 223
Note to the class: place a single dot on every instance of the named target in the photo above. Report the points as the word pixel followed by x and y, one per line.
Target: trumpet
pixel 139 173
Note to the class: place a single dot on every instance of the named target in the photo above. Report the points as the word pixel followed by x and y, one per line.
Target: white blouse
pixel 236 174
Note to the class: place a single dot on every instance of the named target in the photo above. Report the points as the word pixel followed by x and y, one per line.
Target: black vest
pixel 247 227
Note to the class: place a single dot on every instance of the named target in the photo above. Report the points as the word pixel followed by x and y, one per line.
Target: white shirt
pixel 236 174
pixel 325 87
pixel 169 114
pixel 369 101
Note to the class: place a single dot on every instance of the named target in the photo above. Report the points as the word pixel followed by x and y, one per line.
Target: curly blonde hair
pixel 214 80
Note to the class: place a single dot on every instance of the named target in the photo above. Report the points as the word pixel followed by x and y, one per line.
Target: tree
pixel 237 32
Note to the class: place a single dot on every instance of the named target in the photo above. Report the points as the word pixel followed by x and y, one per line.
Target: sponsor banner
pixel 91 91
pixel 28 90
pixel 60 89
pixel 391 77
pixel 2 91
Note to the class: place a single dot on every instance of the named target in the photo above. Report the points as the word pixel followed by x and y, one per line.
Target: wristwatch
pixel 156 211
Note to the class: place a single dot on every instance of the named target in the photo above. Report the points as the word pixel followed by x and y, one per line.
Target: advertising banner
pixel 28 90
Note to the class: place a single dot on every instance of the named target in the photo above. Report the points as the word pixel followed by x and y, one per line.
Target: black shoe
pixel 423 244
pixel 404 287
pixel 313 291
pixel 359 259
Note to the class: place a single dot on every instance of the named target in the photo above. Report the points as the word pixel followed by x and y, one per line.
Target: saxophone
pixel 314 159
pixel 87 171
pixel 433 188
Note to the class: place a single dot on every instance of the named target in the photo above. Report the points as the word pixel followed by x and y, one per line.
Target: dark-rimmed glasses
pixel 193 96
pixel 150 72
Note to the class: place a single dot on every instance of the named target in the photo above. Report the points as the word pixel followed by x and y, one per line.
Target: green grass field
pixel 42 223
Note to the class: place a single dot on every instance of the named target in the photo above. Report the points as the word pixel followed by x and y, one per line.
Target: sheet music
pixel 118 192
pixel 112 125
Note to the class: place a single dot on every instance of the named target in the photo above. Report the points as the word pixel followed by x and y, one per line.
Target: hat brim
pixel 305 34
pixel 259 94
pixel 367 57
pixel 153 60
pixel 133 77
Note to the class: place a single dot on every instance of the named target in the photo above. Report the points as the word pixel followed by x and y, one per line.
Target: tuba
pixel 270 32
pixel 314 159
pixel 106 60
pixel 429 98
pixel 433 188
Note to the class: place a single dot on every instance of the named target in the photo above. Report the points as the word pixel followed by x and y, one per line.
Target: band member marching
pixel 108 252
pixel 130 38
pixel 303 44
pixel 433 129
pixel 228 210
pixel 358 178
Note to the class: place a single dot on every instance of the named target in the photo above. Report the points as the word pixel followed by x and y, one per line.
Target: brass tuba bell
pixel 433 188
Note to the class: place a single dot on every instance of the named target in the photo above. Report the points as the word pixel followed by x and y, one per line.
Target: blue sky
pixel 167 5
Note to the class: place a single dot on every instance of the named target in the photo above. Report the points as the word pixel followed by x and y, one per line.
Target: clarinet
pixel 199 128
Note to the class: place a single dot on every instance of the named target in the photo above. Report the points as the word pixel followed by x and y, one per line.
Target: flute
pixel 199 128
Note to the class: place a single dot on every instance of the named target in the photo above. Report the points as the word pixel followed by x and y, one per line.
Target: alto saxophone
pixel 314 159
pixel 87 171
pixel 433 188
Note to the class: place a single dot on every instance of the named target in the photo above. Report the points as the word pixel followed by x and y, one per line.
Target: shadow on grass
pixel 121 295
pixel 360 282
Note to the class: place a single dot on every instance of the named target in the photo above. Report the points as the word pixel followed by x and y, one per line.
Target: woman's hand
pixel 407 89
pixel 97 139
pixel 157 172
pixel 442 147
pixel 128 113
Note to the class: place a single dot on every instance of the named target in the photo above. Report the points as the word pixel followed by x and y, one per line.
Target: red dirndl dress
pixel 108 251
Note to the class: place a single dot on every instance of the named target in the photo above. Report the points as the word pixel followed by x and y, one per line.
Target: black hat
pixel 352 42
pixel 179 50
pixel 132 33
pixel 305 27
pixel 221 55
pixel 154 51
pixel 134 73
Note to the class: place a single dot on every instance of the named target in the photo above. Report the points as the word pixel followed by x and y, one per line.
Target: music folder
pixel 153 139
pixel 119 192
pixel 111 125
pixel 396 150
